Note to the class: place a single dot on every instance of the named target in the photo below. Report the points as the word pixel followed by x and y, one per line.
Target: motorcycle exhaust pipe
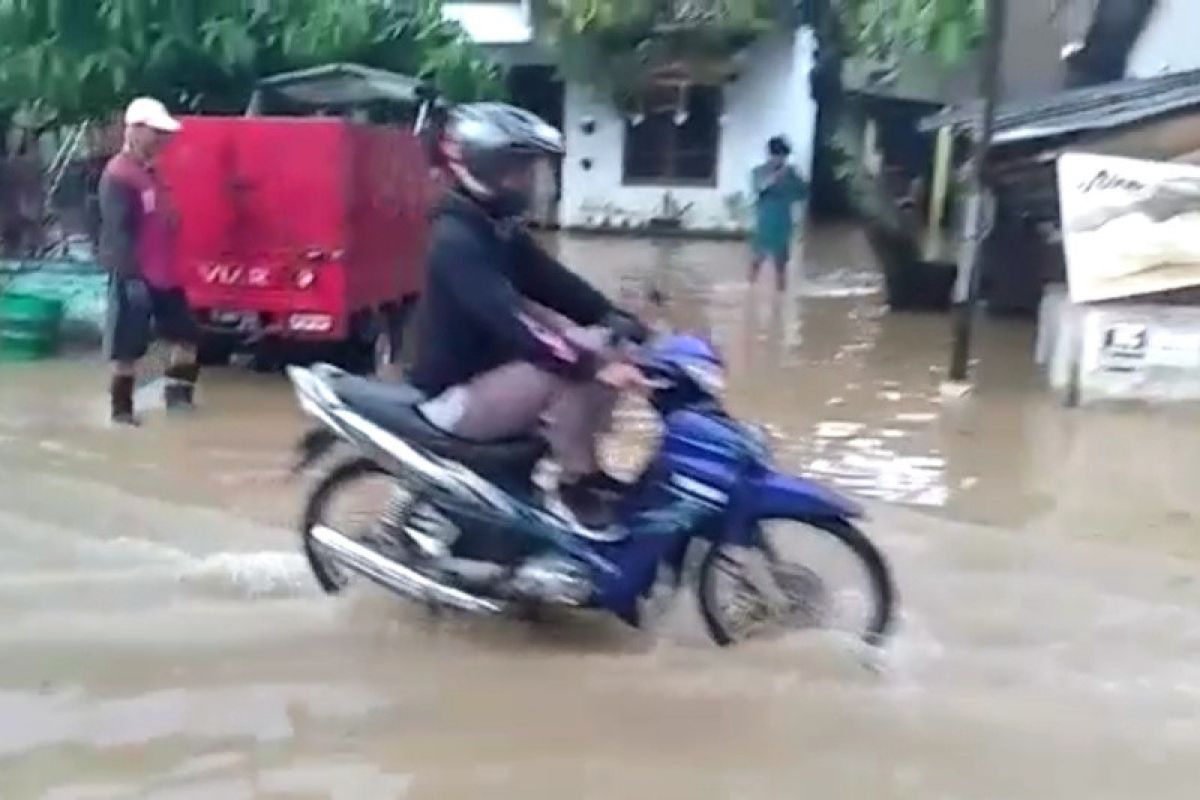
pixel 397 577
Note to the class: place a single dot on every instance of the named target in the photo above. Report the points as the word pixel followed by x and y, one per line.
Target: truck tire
pixel 357 353
pixel 215 351
pixel 376 342
pixel 396 321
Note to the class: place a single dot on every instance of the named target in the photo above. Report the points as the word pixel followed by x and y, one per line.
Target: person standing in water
pixel 777 187
pixel 138 226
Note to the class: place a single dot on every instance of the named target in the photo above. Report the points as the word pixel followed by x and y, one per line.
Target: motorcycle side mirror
pixel 426 89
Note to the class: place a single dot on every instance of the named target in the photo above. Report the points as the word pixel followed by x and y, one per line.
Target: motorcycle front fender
pixel 777 495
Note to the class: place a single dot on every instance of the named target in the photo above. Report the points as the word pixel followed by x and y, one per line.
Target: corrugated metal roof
pixel 918 77
pixel 1110 105
pixel 343 84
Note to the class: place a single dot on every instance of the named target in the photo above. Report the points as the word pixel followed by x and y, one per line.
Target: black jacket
pixel 470 319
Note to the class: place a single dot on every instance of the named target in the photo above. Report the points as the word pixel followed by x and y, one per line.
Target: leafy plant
pixel 623 46
pixel 885 28
pixel 77 60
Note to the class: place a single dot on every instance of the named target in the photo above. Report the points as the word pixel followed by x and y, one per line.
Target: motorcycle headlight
pixel 709 377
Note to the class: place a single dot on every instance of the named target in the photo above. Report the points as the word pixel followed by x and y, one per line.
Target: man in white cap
pixel 138 226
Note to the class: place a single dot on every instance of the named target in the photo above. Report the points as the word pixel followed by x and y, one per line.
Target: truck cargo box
pixel 300 226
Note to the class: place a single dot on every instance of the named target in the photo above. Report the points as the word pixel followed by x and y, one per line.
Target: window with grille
pixel 676 142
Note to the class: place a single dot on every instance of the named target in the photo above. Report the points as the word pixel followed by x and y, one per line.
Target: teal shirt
pixel 773 207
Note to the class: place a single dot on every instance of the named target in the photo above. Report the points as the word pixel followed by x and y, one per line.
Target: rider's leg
pixel 517 399
pixel 578 415
pixel 580 412
pixel 506 402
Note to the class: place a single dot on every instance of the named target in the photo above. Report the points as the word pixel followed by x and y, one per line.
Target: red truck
pixel 306 230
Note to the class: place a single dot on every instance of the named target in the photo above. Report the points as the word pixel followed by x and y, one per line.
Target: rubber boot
pixel 121 393
pixel 180 390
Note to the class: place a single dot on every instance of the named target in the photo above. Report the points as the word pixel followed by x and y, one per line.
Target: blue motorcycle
pixel 465 525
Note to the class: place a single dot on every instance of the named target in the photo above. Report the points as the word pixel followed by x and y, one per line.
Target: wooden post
pixel 976 226
pixel 940 187
pixel 870 146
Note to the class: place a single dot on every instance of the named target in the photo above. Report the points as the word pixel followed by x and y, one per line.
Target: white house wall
pixel 771 96
pixel 493 23
pixel 1169 42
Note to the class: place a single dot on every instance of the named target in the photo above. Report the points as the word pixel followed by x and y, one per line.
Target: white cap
pixel 151 113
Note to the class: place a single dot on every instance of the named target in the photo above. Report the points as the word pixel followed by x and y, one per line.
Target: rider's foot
pixel 590 501
pixel 606 484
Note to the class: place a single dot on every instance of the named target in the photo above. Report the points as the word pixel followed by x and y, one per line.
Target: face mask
pixel 502 201
pixel 507 202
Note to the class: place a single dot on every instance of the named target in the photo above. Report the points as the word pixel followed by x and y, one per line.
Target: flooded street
pixel 160 635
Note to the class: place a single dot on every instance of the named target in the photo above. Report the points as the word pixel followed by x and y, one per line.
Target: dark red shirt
pixel 137 223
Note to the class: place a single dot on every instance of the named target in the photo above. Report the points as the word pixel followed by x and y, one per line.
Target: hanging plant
pixel 622 47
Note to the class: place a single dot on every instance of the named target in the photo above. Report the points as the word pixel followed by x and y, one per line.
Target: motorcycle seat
pixel 395 408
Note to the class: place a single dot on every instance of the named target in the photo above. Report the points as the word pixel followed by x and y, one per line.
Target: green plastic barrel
pixel 30 326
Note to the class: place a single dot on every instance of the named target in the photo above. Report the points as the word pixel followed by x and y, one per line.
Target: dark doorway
pixel 539 89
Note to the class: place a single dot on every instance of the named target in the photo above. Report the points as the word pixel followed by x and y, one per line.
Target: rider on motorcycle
pixel 508 339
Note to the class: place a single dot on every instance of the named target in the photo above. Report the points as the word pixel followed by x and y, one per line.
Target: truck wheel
pixel 362 349
pixel 215 352
pixel 269 356
pixel 381 349
pixel 397 319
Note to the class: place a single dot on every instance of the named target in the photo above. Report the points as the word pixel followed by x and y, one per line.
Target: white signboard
pixel 1178 350
pixel 1129 227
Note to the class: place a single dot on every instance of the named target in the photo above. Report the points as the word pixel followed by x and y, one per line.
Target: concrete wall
pixel 1169 43
pixel 493 23
pixel 1032 64
pixel 770 96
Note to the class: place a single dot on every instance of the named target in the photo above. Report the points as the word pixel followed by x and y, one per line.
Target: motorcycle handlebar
pixel 625 328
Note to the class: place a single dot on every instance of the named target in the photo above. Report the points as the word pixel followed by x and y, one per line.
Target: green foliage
pixel 621 46
pixel 76 60
pixel 885 28
pixel 634 16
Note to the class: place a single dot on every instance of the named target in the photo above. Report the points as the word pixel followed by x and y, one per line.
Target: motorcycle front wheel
pixel 746 592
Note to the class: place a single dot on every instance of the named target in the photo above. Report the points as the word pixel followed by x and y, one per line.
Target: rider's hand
pixel 623 377
pixel 626 327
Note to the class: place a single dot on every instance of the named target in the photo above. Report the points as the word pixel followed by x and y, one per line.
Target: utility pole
pixel 971 263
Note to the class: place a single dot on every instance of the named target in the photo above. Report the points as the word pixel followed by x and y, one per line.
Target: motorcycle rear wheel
pixel 332 578
pixel 720 564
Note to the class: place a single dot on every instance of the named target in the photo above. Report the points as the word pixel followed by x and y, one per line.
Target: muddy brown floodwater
pixel 160 636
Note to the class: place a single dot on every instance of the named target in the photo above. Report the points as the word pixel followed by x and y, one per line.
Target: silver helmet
pixel 484 143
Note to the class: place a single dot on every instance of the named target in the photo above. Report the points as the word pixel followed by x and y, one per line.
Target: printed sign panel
pixel 1124 347
pixel 1129 227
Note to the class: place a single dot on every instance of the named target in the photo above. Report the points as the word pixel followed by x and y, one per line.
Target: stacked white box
pixel 1119 351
